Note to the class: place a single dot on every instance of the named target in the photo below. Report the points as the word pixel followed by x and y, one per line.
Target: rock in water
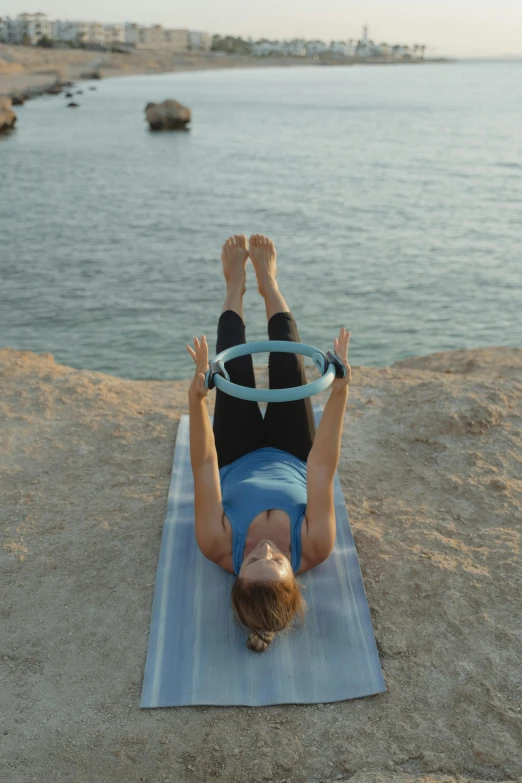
pixel 169 115
pixel 7 115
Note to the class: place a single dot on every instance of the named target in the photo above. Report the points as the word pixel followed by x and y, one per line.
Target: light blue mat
pixel 196 650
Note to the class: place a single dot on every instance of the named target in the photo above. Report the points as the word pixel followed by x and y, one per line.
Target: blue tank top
pixel 260 480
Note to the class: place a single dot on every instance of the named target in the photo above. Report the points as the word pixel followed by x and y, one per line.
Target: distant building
pixel 342 48
pixel 314 48
pixel 132 33
pixel 36 27
pixel 26 28
pixel 150 37
pixel 199 41
pixel 177 40
pixel 262 48
pixel 96 33
pixel 64 31
pixel 114 34
pixel 31 28
pixel 295 48
pixel 5 29
pixel 157 37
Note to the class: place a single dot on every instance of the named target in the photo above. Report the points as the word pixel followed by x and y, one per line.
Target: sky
pixel 467 28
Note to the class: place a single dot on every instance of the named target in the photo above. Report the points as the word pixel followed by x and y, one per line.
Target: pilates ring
pixel 328 364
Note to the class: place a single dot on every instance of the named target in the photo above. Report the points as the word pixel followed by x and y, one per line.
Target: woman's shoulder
pixel 226 562
pixel 225 558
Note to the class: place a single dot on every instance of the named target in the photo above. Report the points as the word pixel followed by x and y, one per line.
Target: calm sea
pixel 393 195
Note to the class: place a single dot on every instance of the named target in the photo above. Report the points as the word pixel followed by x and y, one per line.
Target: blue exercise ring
pixel 274 395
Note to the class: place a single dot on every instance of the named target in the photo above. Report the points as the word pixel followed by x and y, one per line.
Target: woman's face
pixel 266 562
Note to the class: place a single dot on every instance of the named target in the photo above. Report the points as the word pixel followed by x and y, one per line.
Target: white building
pixel 132 33
pixel 314 48
pixel 157 37
pixel 295 48
pixel 79 32
pixel 199 41
pixel 95 33
pixel 29 28
pixel 177 40
pixel 151 37
pixel 5 29
pixel 262 48
pixel 342 48
pixel 64 31
pixel 114 34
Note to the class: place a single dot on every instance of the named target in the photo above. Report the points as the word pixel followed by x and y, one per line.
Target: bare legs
pixel 263 257
pixel 234 256
pixel 262 252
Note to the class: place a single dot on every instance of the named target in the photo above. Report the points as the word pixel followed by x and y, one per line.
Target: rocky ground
pixel 431 469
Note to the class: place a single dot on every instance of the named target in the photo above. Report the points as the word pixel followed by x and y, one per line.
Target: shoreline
pixel 33 71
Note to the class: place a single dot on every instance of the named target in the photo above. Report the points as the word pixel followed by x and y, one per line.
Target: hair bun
pixel 260 640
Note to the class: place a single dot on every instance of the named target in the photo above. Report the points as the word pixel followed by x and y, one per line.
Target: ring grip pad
pixel 215 368
pixel 340 369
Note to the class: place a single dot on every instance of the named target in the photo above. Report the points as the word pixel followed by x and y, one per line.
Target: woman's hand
pixel 200 356
pixel 341 350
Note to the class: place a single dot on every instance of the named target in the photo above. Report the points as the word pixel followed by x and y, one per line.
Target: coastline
pixel 33 70
pixel 431 472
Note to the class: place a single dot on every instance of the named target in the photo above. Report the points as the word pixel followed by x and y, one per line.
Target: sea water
pixel 393 195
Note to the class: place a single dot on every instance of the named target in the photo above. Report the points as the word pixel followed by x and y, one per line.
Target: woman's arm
pixel 326 447
pixel 320 474
pixel 323 459
pixel 208 506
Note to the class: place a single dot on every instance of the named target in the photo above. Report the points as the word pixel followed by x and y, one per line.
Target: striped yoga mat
pixel 196 650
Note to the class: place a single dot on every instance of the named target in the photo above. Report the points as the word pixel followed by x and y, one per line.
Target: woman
pixel 264 507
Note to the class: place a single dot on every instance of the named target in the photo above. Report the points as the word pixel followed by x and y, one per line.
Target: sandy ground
pixel 22 67
pixel 431 469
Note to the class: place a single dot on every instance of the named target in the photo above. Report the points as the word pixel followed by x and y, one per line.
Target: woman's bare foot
pixel 263 255
pixel 234 254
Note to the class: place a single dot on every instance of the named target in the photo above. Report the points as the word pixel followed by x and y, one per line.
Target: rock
pixel 79 92
pixel 93 88
pixel 18 99
pixel 7 115
pixel 55 89
pixel 68 95
pixel 91 75
pixel 72 105
pixel 169 115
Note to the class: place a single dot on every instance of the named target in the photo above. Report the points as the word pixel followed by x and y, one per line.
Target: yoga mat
pixel 196 649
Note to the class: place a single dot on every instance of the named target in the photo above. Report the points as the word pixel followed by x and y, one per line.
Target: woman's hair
pixel 266 607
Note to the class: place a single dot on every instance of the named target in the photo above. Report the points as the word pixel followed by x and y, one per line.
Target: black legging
pixel 239 426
